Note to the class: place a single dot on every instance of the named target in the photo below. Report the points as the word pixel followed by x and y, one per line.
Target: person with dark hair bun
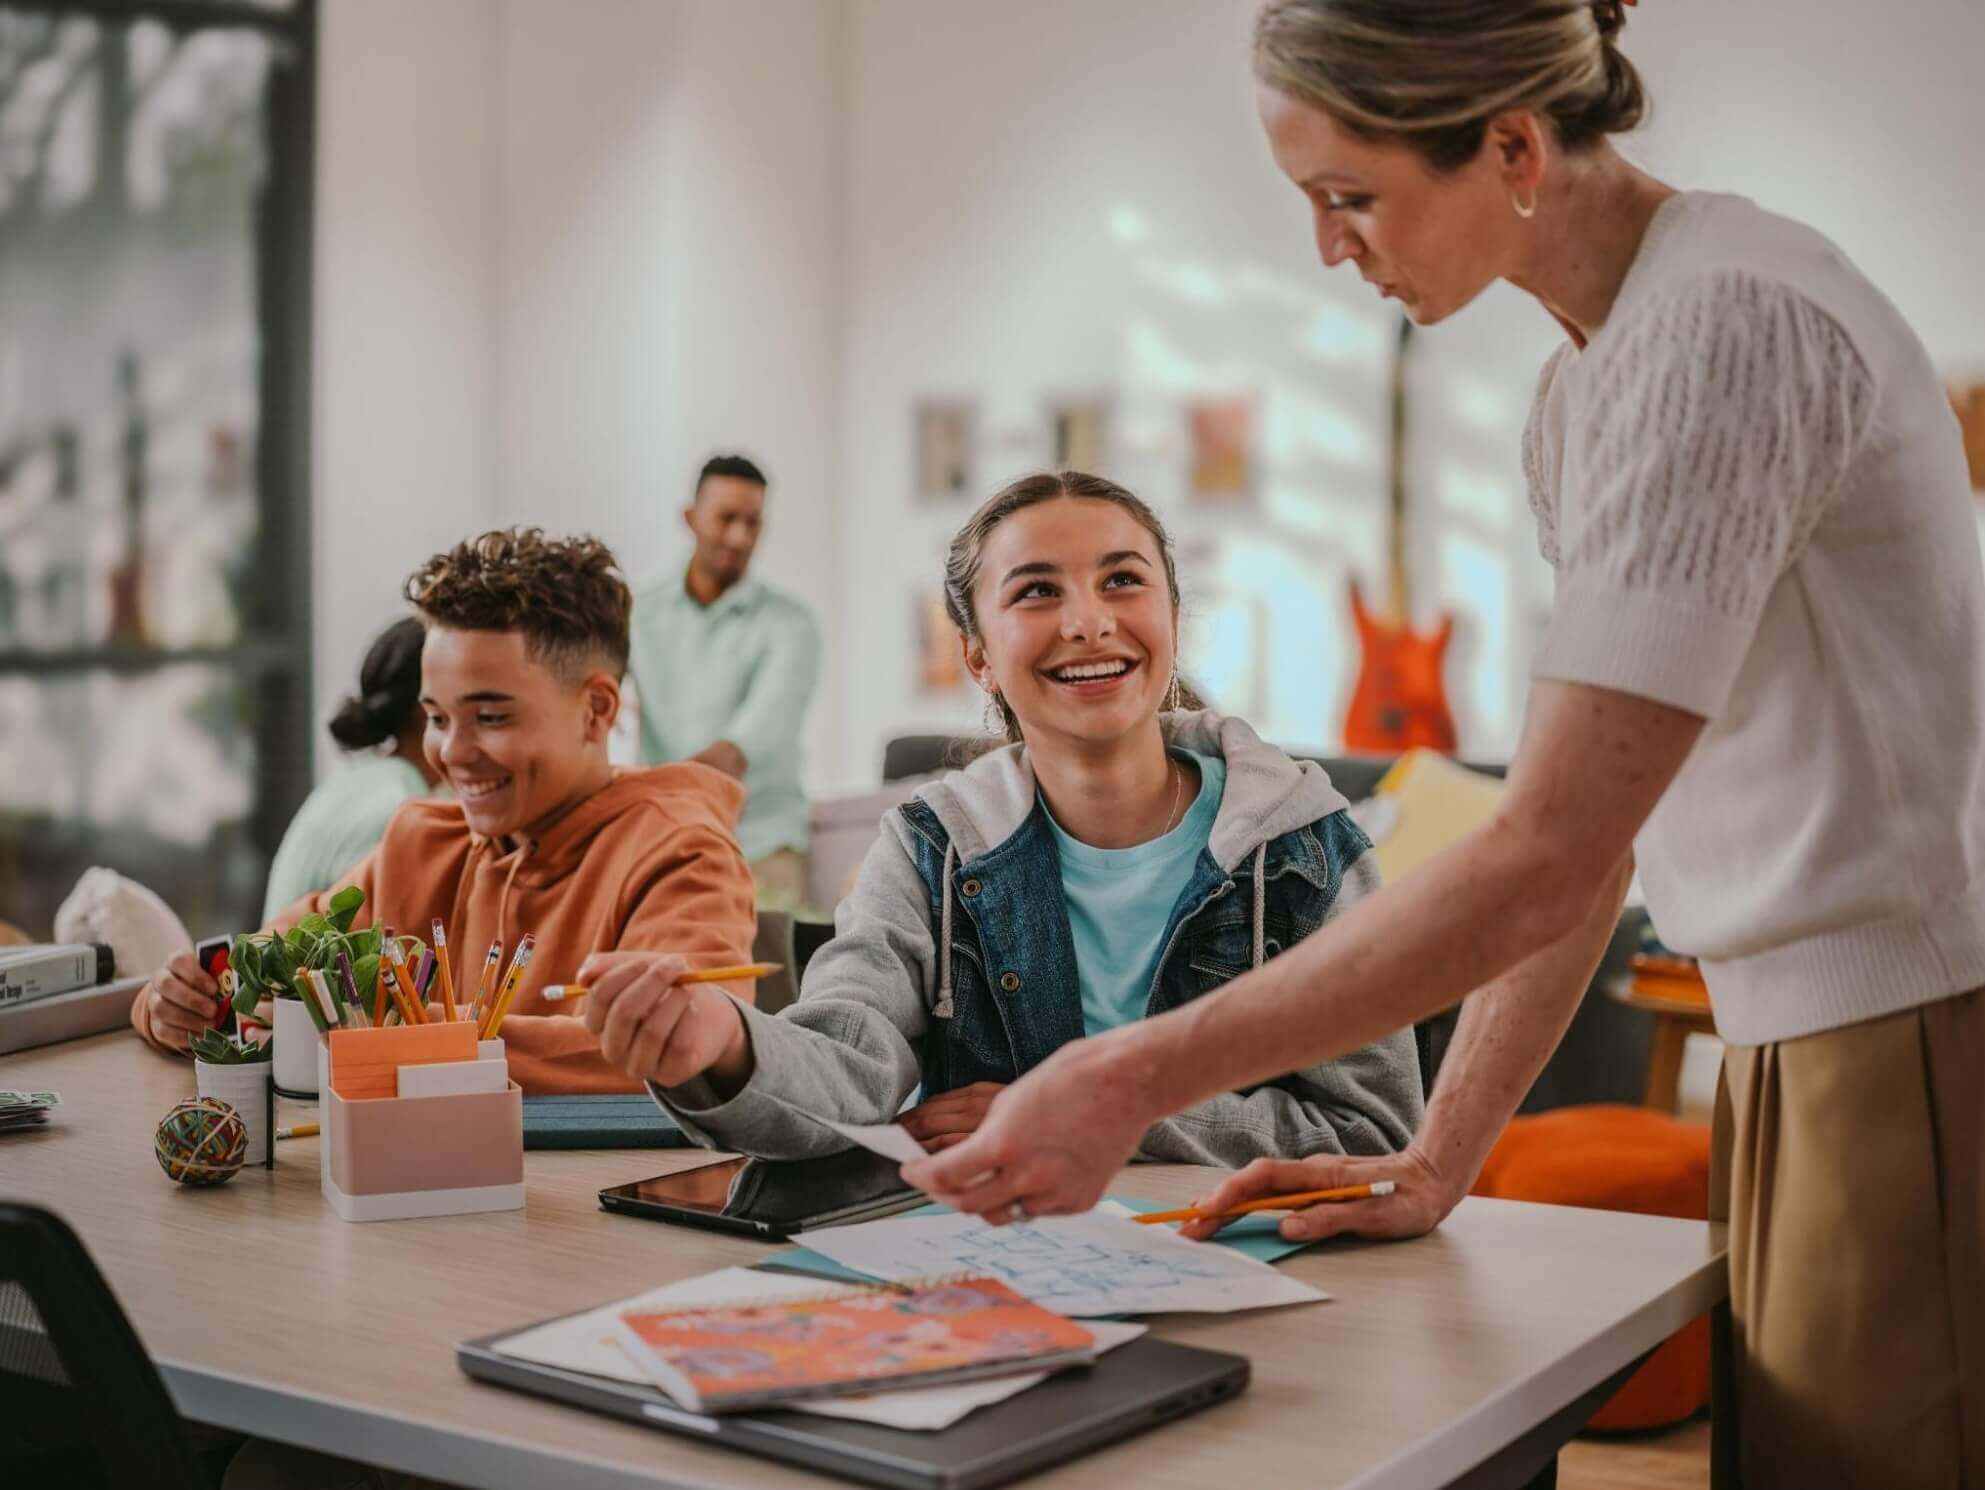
pixel 381 726
pixel 1762 684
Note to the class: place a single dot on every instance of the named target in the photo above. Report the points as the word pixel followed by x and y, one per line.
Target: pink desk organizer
pixel 387 1157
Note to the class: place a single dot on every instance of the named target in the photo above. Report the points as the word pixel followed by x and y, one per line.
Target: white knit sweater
pixel 1754 497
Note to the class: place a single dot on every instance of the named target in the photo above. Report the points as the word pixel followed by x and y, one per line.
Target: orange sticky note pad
pixel 366 1063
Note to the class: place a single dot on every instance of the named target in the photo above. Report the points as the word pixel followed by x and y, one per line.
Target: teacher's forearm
pixel 1473 912
pixel 1506 1033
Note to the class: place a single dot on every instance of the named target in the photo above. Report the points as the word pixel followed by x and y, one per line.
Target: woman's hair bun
pixel 389 683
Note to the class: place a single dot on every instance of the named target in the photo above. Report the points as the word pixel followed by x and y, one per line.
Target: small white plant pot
pixel 296 1049
pixel 245 1088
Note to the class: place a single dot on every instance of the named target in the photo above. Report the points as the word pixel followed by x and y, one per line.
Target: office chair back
pixel 78 1395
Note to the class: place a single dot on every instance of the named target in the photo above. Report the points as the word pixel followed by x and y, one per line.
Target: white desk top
pixel 269 1315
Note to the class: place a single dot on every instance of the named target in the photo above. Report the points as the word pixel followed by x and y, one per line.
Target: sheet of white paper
pixel 1076 1265
pixel 891 1140
pixel 587 1342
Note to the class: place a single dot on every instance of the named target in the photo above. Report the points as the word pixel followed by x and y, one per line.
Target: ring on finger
pixel 1017 1212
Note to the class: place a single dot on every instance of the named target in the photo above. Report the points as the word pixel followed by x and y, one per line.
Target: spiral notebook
pixel 734 1357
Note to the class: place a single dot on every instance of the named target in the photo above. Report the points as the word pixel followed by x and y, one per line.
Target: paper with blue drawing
pixel 1081 1266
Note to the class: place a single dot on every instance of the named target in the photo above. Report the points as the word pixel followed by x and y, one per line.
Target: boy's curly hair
pixel 566 595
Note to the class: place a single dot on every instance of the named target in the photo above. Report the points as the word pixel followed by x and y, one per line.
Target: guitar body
pixel 1400 701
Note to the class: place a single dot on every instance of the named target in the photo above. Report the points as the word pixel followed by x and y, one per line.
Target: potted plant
pixel 237 1072
pixel 268 965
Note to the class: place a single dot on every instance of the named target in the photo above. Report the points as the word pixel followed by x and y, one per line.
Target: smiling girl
pixel 1111 861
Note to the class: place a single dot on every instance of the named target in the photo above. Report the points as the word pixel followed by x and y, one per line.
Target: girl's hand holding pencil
pixel 660 1022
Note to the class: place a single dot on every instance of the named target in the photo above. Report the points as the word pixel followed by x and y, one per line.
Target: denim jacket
pixel 953 963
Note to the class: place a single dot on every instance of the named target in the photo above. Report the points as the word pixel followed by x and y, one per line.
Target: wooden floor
pixel 1673 1459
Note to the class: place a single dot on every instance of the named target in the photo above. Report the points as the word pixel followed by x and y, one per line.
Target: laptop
pixel 1135 1387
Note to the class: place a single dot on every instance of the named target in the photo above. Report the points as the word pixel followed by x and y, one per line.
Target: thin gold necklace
pixel 1178 786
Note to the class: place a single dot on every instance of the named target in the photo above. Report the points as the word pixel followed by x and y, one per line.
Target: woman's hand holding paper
pixel 1050 1142
pixel 949 1118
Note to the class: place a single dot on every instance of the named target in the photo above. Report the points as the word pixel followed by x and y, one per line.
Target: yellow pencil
pixel 493 1021
pixel 301 1130
pixel 402 1004
pixel 416 1010
pixel 558 991
pixel 1270 1203
pixel 486 985
pixel 447 973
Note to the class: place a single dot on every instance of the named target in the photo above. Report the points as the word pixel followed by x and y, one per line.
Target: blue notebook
pixel 624 1121
pixel 1252 1236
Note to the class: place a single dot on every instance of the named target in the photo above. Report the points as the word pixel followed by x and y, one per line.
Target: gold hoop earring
pixel 1526 213
pixel 995 721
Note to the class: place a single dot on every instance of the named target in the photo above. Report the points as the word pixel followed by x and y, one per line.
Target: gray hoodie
pixel 848 1049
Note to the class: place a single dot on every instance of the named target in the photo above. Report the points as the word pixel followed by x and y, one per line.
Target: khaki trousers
pixel 1848 1165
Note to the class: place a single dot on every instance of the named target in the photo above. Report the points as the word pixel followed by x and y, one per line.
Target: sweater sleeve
pixel 692 896
pixel 1714 438
pixel 848 1048
pixel 1365 1102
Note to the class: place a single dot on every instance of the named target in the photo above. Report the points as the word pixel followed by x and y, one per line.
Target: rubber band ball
pixel 202 1141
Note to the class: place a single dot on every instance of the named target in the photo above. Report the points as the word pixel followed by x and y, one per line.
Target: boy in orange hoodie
pixel 520 679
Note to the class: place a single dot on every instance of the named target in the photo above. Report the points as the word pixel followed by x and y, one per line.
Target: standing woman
pixel 1764 676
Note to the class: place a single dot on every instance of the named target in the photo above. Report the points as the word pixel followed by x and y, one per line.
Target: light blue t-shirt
pixel 1121 899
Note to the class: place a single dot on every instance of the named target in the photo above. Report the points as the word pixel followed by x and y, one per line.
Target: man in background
pixel 725 666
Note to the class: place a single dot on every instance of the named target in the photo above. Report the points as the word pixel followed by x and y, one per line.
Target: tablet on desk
pixel 770 1199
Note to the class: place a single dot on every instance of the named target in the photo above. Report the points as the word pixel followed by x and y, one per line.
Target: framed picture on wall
pixel 1968 402
pixel 1220 433
pixel 939 666
pixel 1078 434
pixel 945 432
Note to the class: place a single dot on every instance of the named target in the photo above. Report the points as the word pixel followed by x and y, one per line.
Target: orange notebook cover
pixel 849 1342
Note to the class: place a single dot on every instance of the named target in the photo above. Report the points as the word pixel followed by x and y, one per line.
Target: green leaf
pixel 365 973
pixel 366 943
pixel 345 905
pixel 312 925
pixel 246 998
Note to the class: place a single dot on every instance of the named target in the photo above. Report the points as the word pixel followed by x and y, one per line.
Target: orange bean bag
pixel 1619 1159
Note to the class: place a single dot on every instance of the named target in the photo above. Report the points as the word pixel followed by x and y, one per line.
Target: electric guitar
pixel 1400 701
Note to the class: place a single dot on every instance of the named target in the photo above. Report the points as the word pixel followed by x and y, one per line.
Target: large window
pixel 154 329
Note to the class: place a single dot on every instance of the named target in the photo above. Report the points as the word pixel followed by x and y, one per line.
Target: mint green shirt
pixel 1121 899
pixel 742 669
pixel 339 823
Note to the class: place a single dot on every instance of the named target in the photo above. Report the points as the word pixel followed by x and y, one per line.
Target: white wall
pixel 402 341
pixel 1051 197
pixel 565 252
pixel 568 247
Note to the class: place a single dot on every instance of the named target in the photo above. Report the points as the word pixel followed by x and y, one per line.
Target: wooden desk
pixel 269 1315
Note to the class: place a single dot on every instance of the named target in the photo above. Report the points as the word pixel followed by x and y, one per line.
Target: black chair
pixel 80 1402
